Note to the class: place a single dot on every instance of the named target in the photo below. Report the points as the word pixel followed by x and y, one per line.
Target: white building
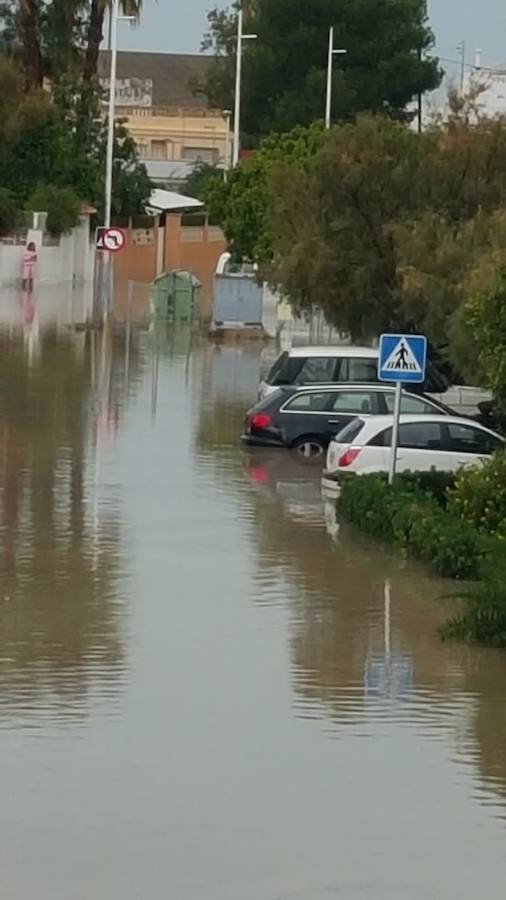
pixel 492 99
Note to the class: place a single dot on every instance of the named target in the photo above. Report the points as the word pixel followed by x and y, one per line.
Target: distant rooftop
pixel 167 79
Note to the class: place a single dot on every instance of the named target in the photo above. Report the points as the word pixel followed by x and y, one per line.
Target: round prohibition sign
pixel 114 239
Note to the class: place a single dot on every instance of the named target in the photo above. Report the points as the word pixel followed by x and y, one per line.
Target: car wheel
pixel 309 447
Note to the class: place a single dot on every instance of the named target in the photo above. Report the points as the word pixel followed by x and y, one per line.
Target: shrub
pixel 61 204
pixel 437 484
pixel 479 496
pixel 486 319
pixel 413 520
pixel 484 616
pixel 10 215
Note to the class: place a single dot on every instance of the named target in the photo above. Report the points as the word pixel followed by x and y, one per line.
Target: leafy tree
pixel 59 140
pixel 28 23
pixel 486 318
pixel 380 227
pixel 201 179
pixel 62 205
pixel 9 31
pixel 9 210
pixel 95 30
pixel 243 203
pixel 387 64
pixel 51 38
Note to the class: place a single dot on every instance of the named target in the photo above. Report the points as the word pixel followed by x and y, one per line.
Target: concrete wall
pixel 67 259
pixel 138 261
pixel 196 249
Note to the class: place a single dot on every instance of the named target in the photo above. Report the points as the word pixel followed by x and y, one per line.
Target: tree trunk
pixel 31 55
pixel 94 38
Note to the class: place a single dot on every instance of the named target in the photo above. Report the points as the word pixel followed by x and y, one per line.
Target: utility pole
pixel 227 113
pixel 105 272
pixel 110 116
pixel 238 76
pixel 330 66
pixel 462 50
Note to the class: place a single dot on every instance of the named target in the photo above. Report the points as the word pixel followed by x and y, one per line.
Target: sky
pixel 178 26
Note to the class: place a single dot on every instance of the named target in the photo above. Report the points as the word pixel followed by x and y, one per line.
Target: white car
pixel 445 443
pixel 358 365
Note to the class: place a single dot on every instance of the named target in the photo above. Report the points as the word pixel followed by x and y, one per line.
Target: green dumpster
pixel 174 297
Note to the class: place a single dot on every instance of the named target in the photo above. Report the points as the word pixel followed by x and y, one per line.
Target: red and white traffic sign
pixel 111 239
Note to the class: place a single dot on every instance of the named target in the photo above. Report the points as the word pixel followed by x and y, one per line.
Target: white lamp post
pixel 228 156
pixel 238 72
pixel 332 52
pixel 112 98
pixel 462 50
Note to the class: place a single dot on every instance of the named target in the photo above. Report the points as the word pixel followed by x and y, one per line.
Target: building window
pixel 158 149
pixel 200 154
pixel 143 150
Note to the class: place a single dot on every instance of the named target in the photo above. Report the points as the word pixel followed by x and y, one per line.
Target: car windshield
pixel 350 432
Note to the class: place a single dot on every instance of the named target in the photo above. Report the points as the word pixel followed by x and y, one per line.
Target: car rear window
pixel 350 432
pixel 355 402
pixel 412 436
pixel 286 370
pixel 277 367
pixel 411 405
pixel 313 401
pixel 361 370
pixel 316 369
pixel 469 439
pixel 420 436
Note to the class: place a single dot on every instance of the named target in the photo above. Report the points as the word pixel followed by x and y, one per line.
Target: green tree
pixel 201 181
pixel 243 204
pixel 62 205
pixel 485 315
pixel 387 64
pixel 380 227
pixel 58 141
pixel 51 38
pixel 96 10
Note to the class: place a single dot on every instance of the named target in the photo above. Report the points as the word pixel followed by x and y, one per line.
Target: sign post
pixel 402 360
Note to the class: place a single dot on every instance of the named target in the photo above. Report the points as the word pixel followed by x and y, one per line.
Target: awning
pixel 169 201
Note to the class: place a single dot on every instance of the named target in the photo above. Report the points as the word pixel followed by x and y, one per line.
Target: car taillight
pixel 260 421
pixel 348 457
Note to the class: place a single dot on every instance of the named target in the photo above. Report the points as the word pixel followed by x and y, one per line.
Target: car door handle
pixel 334 421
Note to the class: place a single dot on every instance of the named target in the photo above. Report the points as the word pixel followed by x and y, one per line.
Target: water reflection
pixel 61 556
pixel 267 703
pixel 363 626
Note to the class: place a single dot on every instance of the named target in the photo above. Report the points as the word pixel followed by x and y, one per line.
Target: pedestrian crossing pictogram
pixel 402 359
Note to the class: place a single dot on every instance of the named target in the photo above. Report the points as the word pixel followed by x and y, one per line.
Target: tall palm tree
pixel 31 54
pixel 95 31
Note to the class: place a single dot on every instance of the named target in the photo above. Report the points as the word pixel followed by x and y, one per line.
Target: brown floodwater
pixel 208 690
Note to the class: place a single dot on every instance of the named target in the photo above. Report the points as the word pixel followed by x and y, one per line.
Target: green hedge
pixel 479 496
pixel 409 516
pixel 483 616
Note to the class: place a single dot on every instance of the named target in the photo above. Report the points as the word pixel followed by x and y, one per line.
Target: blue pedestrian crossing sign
pixel 402 357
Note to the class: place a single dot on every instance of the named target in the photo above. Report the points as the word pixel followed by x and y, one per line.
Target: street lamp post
pixel 228 156
pixel 110 117
pixel 332 52
pixel 462 50
pixel 238 73
pixel 115 16
pixel 105 271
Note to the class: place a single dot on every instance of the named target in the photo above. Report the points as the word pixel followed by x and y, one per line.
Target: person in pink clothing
pixel 29 263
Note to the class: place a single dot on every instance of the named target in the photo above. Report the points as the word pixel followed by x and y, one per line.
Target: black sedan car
pixel 305 419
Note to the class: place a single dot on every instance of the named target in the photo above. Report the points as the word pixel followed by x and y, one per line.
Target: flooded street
pixel 207 690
